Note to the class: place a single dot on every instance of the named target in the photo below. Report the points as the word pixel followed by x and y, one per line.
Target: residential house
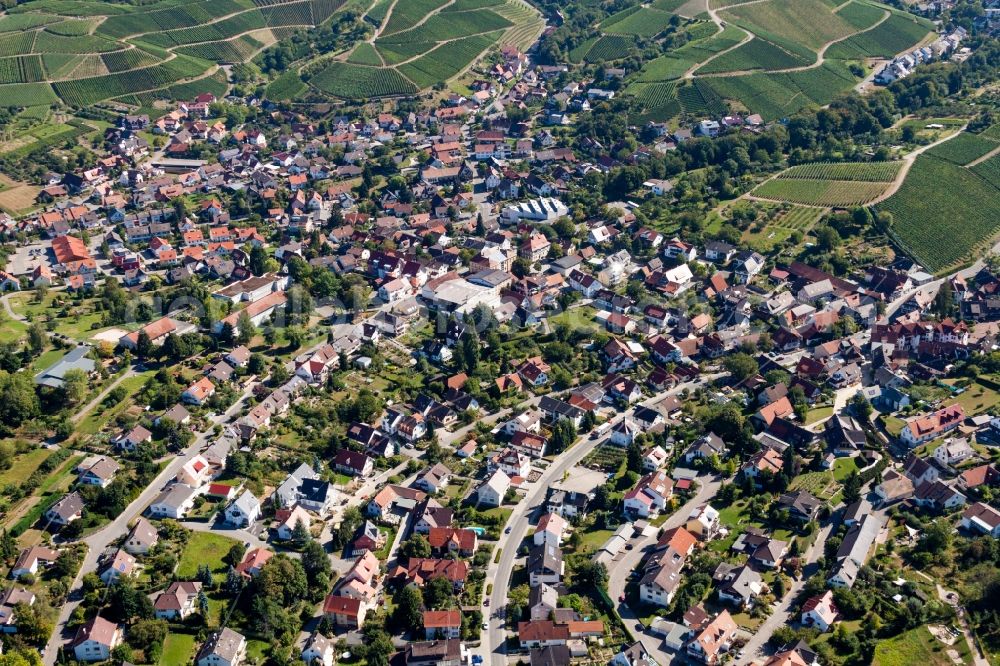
pixel 223 648
pixel 95 640
pixel 713 641
pixel 244 510
pixel 141 537
pixel 442 624
pixel 66 510
pixel 493 490
pixel 178 601
pixel 820 612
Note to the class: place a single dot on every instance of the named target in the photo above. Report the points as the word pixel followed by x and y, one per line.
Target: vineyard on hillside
pixel 101 51
pixel 937 227
pixel 766 59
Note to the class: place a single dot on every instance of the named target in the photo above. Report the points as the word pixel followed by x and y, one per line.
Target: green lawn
pixel 390 535
pixel 24 465
pixel 978 398
pixel 842 467
pixel 177 650
pixel 10 330
pixel 99 417
pixel 917 646
pixel 503 512
pixel 581 317
pixel 256 650
pixel 818 414
pixel 204 548
pixel 734 514
pixel 45 359
pixel 820 484
pixel 893 425
pixel 592 540
pixel 341 479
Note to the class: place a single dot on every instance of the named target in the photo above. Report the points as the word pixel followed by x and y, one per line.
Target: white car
pixel 486 625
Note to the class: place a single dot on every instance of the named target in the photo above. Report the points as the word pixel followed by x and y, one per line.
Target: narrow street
pixel 493 649
pixel 621 569
pixel 105 536
pixel 781 613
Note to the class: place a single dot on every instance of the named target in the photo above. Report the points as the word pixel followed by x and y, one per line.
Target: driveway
pixel 629 562
pixel 499 573
pixel 99 541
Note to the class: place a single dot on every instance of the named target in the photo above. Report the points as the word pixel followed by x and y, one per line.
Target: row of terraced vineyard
pixel 772 57
pixel 421 43
pixel 86 52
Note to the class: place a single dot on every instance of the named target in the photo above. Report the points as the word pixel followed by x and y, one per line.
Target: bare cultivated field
pixel 15 196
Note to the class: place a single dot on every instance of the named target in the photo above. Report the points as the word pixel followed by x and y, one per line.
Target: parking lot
pixel 27 257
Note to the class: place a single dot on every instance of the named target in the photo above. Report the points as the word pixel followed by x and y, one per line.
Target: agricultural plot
pixel 609 48
pixel 658 101
pixel 443 27
pixel 119 61
pixel 466 5
pixel 938 228
pixel 378 12
pixel 227 51
pixel 676 63
pixel 667 5
pixel 216 83
pixel 825 193
pixel 170 41
pixel 365 54
pixel 48 42
pixel 528 24
pixel 860 16
pixel 988 170
pixel 14 44
pixel 168 15
pixel 894 35
pixel 778 95
pixel 699 99
pixel 84 92
pixel 19 22
pixel 89 65
pixel 286 86
pixel 646 22
pixel 359 82
pixel 759 54
pixel 773 74
pixel 394 54
pixel 875 172
pixel 407 57
pixel 27 94
pixel 72 28
pixel 446 60
pixel 407 14
pixel 21 69
pixel 779 229
pixel 807 22
pixel 964 148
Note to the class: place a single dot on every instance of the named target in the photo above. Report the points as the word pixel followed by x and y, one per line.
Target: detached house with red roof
pixel 714 640
pixel 931 426
pixel 345 611
pixel 95 640
pixel 442 624
pixel 448 540
pixel 649 496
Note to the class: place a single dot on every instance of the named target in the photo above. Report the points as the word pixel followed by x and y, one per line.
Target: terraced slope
pixel 421 43
pixel 87 51
pixel 774 57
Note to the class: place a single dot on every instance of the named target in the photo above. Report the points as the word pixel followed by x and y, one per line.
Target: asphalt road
pixel 494 647
pixel 99 541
